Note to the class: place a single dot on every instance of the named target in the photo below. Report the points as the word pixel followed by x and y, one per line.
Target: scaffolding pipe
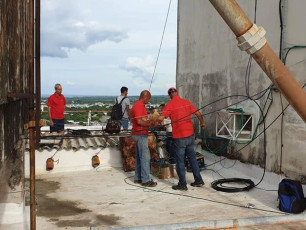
pixel 265 57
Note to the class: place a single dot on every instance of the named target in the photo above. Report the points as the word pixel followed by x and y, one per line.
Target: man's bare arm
pixel 201 119
pixel 50 119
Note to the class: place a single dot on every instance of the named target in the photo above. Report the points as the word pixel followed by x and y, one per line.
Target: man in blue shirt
pixel 125 107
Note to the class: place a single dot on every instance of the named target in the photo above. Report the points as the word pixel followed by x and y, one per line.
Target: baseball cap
pixel 171 90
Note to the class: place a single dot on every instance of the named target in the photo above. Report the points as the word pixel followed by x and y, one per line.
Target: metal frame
pixel 230 124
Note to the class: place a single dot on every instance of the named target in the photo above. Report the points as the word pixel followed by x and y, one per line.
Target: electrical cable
pixel 284 59
pixel 161 42
pixel 282 29
pixel 275 119
pixel 267 190
pixel 247 77
pixel 128 134
pixel 280 95
pixel 261 93
pixel 200 198
pixel 281 132
pixel 249 65
pixel 236 95
pixel 291 48
pixel 218 184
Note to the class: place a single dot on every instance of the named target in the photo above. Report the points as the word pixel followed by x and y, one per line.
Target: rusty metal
pixel 20 95
pixel 37 71
pixel 13 78
pixel 239 23
pixel 32 116
pixel 233 16
pixel 32 124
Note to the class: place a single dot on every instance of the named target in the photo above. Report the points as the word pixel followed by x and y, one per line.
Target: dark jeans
pixel 185 147
pixel 170 148
pixel 58 125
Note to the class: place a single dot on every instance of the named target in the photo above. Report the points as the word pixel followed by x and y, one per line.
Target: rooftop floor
pixel 104 198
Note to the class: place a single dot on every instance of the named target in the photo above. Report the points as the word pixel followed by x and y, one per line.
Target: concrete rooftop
pixel 106 197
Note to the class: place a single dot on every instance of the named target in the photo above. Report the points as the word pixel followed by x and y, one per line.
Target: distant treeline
pixel 81 114
pixel 162 99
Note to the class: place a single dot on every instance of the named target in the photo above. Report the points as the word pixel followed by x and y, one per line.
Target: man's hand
pixel 203 125
pixel 152 123
pixel 51 123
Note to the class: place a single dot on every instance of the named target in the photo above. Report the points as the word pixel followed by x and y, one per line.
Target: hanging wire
pixel 161 42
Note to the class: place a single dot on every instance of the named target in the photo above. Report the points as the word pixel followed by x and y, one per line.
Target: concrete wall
pixel 14 47
pixel 71 161
pixel 210 66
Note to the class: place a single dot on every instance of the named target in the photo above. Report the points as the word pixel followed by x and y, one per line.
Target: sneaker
pixel 150 183
pixel 137 181
pixel 179 187
pixel 197 184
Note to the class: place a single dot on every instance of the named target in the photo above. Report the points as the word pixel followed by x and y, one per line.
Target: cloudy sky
pixel 93 47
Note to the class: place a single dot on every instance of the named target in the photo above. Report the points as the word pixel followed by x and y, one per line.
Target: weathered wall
pixel 211 66
pixel 14 20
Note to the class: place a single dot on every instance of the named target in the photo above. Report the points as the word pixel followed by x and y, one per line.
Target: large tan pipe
pixel 239 23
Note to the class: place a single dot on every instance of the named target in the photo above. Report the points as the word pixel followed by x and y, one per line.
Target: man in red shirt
pixel 141 123
pixel 56 107
pixel 180 110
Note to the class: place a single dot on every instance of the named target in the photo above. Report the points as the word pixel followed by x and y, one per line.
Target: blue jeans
pixel 58 125
pixel 185 147
pixel 142 158
pixel 124 123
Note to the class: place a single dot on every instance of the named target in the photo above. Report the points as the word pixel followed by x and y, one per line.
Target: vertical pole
pixel 37 71
pixel 265 57
pixel 32 117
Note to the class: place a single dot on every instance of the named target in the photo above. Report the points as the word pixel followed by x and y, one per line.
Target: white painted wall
pixel 211 66
pixel 68 161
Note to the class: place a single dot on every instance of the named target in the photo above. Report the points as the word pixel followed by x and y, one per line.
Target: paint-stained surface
pixel 14 49
pixel 66 211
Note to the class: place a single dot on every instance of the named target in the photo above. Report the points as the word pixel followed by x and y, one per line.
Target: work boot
pixel 179 187
pixel 197 184
pixel 137 181
pixel 150 183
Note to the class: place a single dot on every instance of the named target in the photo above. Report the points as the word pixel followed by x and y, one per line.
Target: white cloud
pixel 65 27
pixel 112 59
pixel 141 68
pixel 70 83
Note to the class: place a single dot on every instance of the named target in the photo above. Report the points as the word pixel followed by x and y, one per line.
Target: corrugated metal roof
pixel 94 140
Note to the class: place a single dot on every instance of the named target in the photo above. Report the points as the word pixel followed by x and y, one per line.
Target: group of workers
pixel 179 111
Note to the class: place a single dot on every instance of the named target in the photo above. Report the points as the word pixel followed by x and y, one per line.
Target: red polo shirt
pixel 57 104
pixel 138 112
pixel 179 110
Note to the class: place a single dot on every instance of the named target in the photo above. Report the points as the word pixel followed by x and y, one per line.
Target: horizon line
pixel 84 95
